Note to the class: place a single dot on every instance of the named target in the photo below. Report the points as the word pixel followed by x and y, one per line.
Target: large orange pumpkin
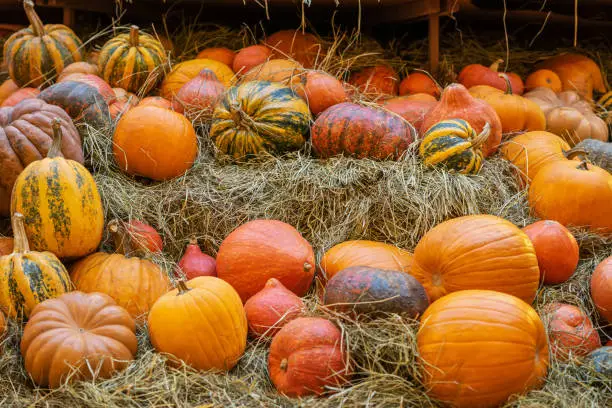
pixel 221 54
pixel 276 70
pixel 379 80
pixel 305 48
pixel 479 347
pixel 168 150
pixel 306 356
pixel 476 252
pixel 601 288
pixel 321 91
pixel 571 332
pixel 264 249
pixel 250 57
pixel 187 70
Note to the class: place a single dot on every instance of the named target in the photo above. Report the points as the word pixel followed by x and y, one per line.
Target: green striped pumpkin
pixel 455 145
pixel 27 277
pixel 259 117
pixel 37 54
pixel 132 61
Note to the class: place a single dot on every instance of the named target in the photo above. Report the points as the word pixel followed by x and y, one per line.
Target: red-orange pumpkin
pixel 196 263
pixel 476 74
pixel 144 237
pixel 601 288
pixel 413 111
pixel 321 91
pixel 80 67
pixel 20 95
pixel 570 331
pixel 306 356
pixel 199 96
pixel 419 82
pixel 305 48
pixel 376 81
pixel 250 57
pixel 263 249
pixel 102 86
pixel 221 54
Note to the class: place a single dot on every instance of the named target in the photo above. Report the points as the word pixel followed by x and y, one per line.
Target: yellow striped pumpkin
pixel 259 117
pixel 37 54
pixel 455 145
pixel 27 277
pixel 61 204
pixel 132 61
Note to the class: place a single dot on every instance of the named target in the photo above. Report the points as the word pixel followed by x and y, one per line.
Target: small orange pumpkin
pixel 419 82
pixel 601 288
pixel 221 54
pixel 304 48
pixel 321 91
pixel 571 332
pixel 377 81
pixel 250 57
pixel 276 70
pixel 543 78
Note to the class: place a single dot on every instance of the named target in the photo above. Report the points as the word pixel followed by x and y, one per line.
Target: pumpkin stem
pixel 483 136
pixel 193 240
pixel 495 65
pixel 239 116
pixel 122 244
pixel 583 165
pixel 56 147
pixel 182 287
pixel 307 267
pixel 134 36
pixel 576 152
pixel 37 26
pixel 21 244
pixel 508 84
pixel 440 89
pixel 283 364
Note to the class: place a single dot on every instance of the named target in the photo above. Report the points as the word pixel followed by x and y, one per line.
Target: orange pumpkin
pixel 221 54
pixel 20 95
pixel 187 70
pixel 476 74
pixel 168 150
pixel 419 82
pixel 379 80
pixel 304 48
pixel 601 288
pixel 6 246
pixel 250 57
pixel 198 97
pixel 80 67
pixel 411 109
pixel 577 72
pixel 321 91
pixel 479 347
pixel 276 70
pixel 543 78
pixel 124 101
pixel 144 238
pixel 306 356
pixel 156 101
pixel 571 332
pixel 7 88
pixel 476 252
pixel 457 103
pixel 271 308
pixel 365 253
pixel 263 249
pixel 556 249
pixel 574 194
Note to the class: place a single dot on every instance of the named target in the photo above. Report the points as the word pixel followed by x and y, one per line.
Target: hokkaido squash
pixel 61 204
pixel 571 331
pixel 410 108
pixel 250 57
pixel 198 98
pixel 196 263
pixel 476 74
pixel 29 277
pixel 479 347
pixel 476 252
pixel 305 48
pixel 144 238
pixel 221 54
pixel 419 82
pixel 377 81
pixel 601 288
pixel 321 90
pixel 187 70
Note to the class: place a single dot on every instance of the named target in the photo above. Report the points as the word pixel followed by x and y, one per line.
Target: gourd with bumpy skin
pixel 571 331
pixel 259 117
pixel 35 55
pixel 29 277
pixel 61 204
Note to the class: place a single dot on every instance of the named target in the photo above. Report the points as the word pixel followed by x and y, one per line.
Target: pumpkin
pixel 28 127
pixel 202 323
pixel 569 116
pixel 556 249
pixel 198 97
pixel 259 117
pixel 7 88
pixel 365 253
pixel 479 347
pixel 101 86
pixel 379 80
pixel 420 82
pixel 20 95
pixel 168 151
pixel 306 356
pixel 132 61
pixel 457 103
pixel 321 90
pixel 187 70
pixel 85 105
pixel 263 249
pixel 35 55
pixel 604 104
pixel 144 237
pixel 80 67
pixel 601 361
pixel 77 336
pixel 574 194
pixel 61 204
pixel 476 74
pixel 29 277
pixel 93 56
pixel 361 131
pixel 598 152
pixel 453 144
pixel 6 245
pixel 134 283
pixel 366 290
pixel 543 78
pixel 283 71
pixel 195 263
pixel 124 101
pixel 157 101
pixel 601 288
pixel 271 308
pixel 571 332
pixel 221 54
pixel 476 252
pixel 531 151
pixel 412 110
pixel 515 112
pixel 250 57
pixel 304 48
pixel 577 73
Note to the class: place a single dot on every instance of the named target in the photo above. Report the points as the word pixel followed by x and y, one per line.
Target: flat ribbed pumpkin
pixel 35 55
pixel 259 117
pixel 187 70
pixel 132 61
pixel 61 204
pixel 27 277
pixel 455 145
pixel 477 252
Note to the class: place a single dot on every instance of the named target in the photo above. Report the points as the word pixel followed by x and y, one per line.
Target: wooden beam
pixel 69 19
pixel 434 42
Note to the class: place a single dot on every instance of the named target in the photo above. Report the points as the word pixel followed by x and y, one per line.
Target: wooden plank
pixel 434 41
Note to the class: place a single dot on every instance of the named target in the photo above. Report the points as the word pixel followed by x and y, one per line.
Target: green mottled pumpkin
pixel 61 204
pixel 455 145
pixel 37 54
pixel 27 277
pixel 259 117
pixel 132 61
